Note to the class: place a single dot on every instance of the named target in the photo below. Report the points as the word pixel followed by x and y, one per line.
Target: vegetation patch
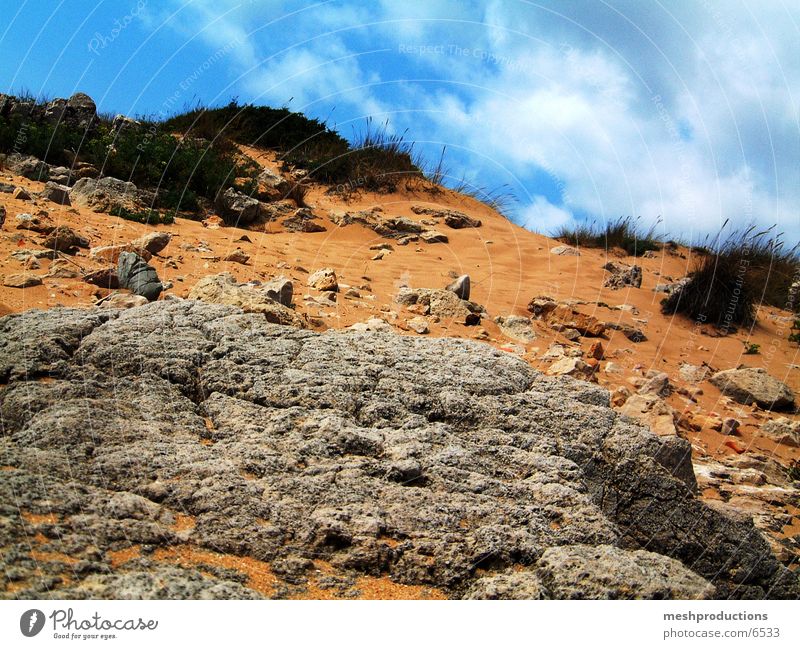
pixel 625 233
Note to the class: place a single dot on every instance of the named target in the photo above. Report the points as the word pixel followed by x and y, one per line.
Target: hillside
pixel 530 297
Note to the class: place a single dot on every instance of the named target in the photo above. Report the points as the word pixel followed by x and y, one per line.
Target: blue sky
pixel 685 112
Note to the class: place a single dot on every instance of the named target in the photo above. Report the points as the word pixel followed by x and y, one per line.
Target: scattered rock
pixel 213 222
pixel 22 280
pixel 373 324
pixel 596 351
pixel 452 218
pixel 432 236
pixel 442 304
pixel 324 280
pixel 782 430
pixel 418 324
pixel 104 278
pixel 753 385
pixel 63 269
pixel 563 316
pixel 152 242
pixel 693 373
pixel 516 327
pixel 574 367
pixel 730 426
pixel 303 220
pixel 565 251
pixel 64 239
pixel 461 287
pixel 630 332
pixel 223 289
pixel 111 254
pixel 271 186
pixel 658 385
pixel 622 275
pixel 122 301
pixel 109 195
pixel 41 223
pixel 21 194
pixel 652 411
pixel 238 256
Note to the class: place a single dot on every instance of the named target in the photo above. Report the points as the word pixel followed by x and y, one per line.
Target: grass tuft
pixel 625 233
pixel 746 269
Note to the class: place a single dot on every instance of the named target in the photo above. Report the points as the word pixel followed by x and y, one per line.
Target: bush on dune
pixel 734 277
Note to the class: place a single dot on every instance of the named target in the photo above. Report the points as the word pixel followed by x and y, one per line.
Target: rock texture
pixel 179 430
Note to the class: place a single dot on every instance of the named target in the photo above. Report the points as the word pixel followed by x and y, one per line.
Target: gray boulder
pixel 237 208
pixel 259 445
pixel 56 193
pixel 136 275
pixel 108 195
pixel 753 384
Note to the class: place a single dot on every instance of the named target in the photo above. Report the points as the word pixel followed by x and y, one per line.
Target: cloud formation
pixel 686 111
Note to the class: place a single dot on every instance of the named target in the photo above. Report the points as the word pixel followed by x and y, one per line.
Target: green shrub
pixel 727 285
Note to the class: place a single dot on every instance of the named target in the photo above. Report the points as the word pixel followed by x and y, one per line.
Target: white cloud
pixel 556 89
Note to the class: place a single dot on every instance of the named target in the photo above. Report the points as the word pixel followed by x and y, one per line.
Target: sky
pixel 684 114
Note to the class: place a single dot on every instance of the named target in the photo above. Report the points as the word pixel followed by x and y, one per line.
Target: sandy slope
pixel 508 266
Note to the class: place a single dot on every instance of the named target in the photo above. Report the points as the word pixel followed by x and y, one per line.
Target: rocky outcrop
pixel 753 385
pixel 178 431
pixel 441 303
pixel 452 218
pixel 252 298
pixel 109 195
pixel 560 316
pixel 622 275
pixel 303 220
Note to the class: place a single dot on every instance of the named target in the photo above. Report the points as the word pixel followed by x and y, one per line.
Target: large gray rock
pixel 108 195
pixel 56 193
pixel 135 274
pixel 180 432
pixel 753 384
pixel 237 208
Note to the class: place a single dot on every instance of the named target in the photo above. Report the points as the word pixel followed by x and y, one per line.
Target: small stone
pixel 21 195
pixel 418 324
pixel 213 222
pixel 238 256
pixel 597 351
pixel 324 280
pixel 122 301
pixel 571 334
pixel 565 251
pixel 433 236
pixel 153 242
pixel 730 426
